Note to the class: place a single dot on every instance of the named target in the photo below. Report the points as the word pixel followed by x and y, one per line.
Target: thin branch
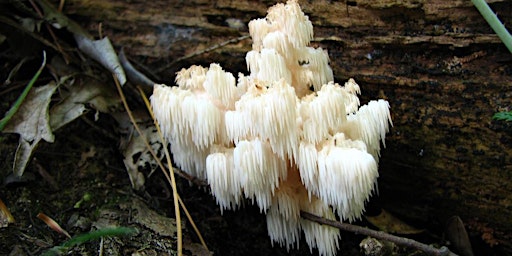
pixel 171 178
pixel 52 34
pixel 209 49
pixel 402 241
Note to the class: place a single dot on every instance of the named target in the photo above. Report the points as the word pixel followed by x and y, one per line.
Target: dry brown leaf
pixel 5 215
pixel 103 52
pixel 31 122
pixel 386 222
pixel 459 240
pixel 101 97
pixel 137 157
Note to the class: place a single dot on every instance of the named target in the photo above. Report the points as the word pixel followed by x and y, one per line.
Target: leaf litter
pixel 60 105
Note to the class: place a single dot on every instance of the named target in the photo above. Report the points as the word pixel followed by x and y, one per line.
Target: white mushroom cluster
pixel 286 136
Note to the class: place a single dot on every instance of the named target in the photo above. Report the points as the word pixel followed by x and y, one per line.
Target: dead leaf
pixel 5 215
pixel 137 157
pixel 102 52
pixel 196 248
pixel 135 76
pixel 100 97
pixel 456 233
pixel 99 50
pixel 150 219
pixel 52 224
pixel 58 19
pixel 31 122
pixel 388 223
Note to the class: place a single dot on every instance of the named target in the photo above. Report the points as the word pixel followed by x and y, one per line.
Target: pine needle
pixel 172 180
pixel 148 106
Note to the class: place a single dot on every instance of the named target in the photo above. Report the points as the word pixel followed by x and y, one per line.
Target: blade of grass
pixel 148 106
pixel 198 233
pixel 93 235
pixel 507 116
pixel 21 98
pixel 171 178
pixel 494 22
pixel 96 234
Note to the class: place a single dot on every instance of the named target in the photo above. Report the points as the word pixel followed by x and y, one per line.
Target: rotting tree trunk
pixel 437 62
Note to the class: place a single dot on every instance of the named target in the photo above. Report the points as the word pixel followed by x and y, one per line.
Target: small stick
pixel 209 49
pixel 429 250
pixel 173 183
pixel 171 169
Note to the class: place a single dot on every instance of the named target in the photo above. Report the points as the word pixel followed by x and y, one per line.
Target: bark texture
pixel 438 63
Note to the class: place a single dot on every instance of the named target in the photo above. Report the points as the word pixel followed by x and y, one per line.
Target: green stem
pixel 494 22
pixel 93 235
pixel 97 234
pixel 22 97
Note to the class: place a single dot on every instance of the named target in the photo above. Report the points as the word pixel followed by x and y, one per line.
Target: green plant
pixel 505 115
pixel 21 98
pixel 93 235
pixel 494 22
pixel 505 37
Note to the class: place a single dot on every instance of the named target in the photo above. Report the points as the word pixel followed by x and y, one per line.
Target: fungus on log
pixel 286 137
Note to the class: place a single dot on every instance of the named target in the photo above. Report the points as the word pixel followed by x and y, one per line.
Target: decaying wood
pixel 438 63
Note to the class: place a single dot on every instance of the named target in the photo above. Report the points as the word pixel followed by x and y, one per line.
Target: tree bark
pixel 438 63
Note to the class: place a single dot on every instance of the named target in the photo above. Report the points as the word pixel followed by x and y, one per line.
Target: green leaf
pixel 506 116
pixel 93 235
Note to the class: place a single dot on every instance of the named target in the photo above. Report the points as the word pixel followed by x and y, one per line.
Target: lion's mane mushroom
pixel 269 138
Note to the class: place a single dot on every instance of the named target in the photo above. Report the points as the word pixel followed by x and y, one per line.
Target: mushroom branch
pixel 286 136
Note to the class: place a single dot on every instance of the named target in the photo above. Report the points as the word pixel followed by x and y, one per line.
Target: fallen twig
pixel 171 169
pixel 214 47
pixel 169 176
pixel 429 250
pixel 173 184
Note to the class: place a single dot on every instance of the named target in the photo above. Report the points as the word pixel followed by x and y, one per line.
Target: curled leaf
pixel 458 237
pixel 133 74
pixel 103 52
pixel 32 123
pixel 99 50
pixel 90 92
